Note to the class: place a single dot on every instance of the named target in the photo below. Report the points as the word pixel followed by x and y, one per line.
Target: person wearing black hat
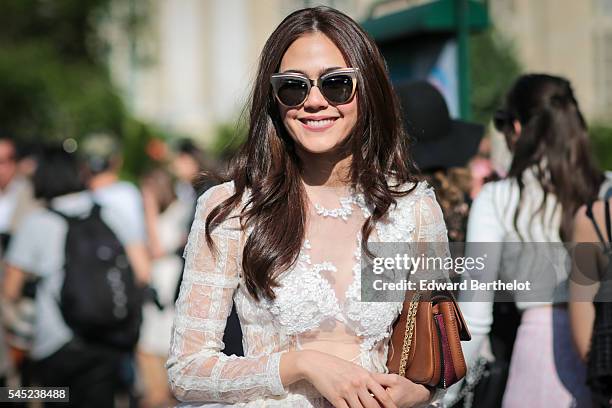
pixel 441 141
pixel 442 149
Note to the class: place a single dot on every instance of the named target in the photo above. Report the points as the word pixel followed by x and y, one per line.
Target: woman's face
pixel 317 126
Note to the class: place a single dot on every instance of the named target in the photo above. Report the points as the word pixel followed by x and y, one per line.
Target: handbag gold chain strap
pixel 409 333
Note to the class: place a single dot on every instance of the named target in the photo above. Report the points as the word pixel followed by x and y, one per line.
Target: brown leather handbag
pixel 426 340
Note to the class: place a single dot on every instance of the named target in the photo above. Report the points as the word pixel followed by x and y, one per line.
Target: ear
pixel 516 125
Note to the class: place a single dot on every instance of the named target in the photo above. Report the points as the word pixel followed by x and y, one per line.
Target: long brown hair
pixel 268 166
pixel 554 138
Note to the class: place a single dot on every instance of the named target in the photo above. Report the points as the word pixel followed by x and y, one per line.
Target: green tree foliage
pixel 44 97
pixel 228 139
pixel 67 25
pixel 494 67
pixel 53 82
pixel 601 138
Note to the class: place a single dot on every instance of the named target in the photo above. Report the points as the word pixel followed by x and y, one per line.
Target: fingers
pixel 381 395
pixel 366 399
pixel 353 401
pixel 340 403
pixel 387 380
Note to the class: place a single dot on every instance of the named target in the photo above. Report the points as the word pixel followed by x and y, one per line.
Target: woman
pixel 324 169
pixel 165 217
pixel 552 174
pixel 591 292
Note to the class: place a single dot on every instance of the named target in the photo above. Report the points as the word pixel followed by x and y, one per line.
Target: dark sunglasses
pixel 337 87
pixel 502 120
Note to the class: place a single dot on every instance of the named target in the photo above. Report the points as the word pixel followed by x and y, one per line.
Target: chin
pixel 319 144
pixel 319 149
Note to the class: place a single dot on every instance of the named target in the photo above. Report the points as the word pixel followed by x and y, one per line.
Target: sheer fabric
pixel 317 305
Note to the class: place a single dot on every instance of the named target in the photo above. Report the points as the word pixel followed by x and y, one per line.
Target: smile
pixel 318 124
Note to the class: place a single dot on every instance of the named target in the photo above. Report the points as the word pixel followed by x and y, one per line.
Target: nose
pixel 315 100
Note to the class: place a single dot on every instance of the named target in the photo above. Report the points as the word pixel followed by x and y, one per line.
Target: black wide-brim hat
pixel 440 142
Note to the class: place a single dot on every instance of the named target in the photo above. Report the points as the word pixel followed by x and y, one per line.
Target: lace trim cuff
pixel 437 398
pixel 273 373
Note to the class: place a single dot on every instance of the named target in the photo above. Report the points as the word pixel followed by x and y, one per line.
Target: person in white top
pixel 552 174
pixel 324 170
pixel 101 153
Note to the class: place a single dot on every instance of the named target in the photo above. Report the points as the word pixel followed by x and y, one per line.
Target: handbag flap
pixel 462 327
pixel 464 332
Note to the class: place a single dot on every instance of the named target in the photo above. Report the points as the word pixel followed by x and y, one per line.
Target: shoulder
pixel 37 233
pixel 37 220
pixel 497 193
pixel 212 198
pixel 414 213
pixel 417 194
pixel 584 228
pixel 121 190
pixel 419 202
pixel 215 195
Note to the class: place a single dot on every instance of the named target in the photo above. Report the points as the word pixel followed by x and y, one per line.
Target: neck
pixel 102 180
pixel 328 169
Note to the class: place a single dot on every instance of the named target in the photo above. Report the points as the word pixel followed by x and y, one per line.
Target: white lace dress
pixel 317 305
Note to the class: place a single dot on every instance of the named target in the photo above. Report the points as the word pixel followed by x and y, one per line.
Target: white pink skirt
pixel 545 370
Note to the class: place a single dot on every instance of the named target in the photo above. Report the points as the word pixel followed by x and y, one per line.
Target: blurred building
pixel 188 65
pixel 564 37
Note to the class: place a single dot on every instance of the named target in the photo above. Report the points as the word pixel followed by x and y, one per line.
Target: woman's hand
pixel 344 384
pixel 404 392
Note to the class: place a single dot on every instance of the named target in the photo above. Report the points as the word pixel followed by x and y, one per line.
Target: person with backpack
pixel 591 293
pixel 88 297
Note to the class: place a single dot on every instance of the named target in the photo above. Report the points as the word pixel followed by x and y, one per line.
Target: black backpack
pixel 99 300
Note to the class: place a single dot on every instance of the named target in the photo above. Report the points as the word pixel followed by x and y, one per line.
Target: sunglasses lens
pixel 292 91
pixel 337 88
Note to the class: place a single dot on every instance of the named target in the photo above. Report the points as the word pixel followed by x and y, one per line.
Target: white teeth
pixel 319 123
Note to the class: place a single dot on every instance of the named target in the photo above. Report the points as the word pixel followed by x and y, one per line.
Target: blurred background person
pixel 188 164
pixel 454 158
pixel 4 356
pixel 15 190
pixel 7 206
pixel 195 173
pixel 552 174
pixel 102 157
pixel 62 357
pixel 165 217
pixel 591 294
pixel 443 149
pixel 16 200
pixel 101 153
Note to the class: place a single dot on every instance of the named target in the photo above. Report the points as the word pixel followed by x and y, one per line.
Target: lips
pixel 318 124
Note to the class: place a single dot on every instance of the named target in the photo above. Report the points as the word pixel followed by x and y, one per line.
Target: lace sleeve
pixel 432 233
pixel 430 226
pixel 197 370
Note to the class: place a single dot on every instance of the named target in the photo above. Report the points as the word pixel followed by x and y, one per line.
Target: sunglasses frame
pixel 276 81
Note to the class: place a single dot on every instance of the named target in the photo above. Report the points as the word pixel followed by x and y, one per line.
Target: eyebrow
pixel 321 72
